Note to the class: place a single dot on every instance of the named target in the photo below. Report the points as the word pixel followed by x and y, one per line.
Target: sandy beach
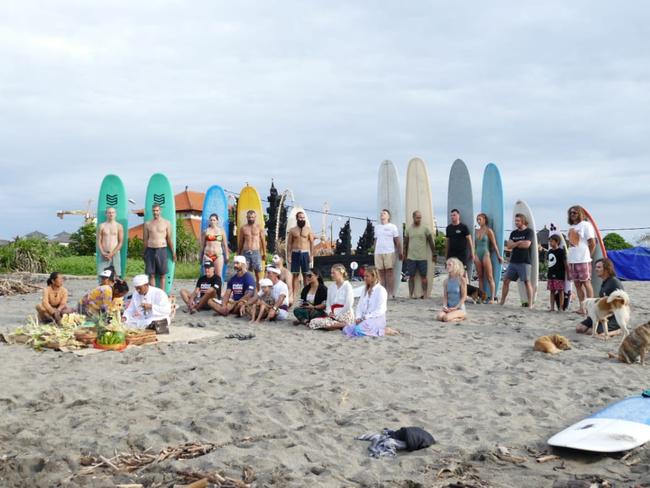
pixel 289 403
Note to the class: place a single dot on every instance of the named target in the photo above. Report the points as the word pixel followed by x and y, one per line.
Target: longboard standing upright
pixel 159 191
pixel 459 196
pixel 113 195
pixel 522 207
pixel 215 202
pixel 493 205
pixel 418 197
pixel 389 197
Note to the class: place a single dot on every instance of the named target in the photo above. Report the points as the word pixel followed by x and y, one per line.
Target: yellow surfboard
pixel 249 199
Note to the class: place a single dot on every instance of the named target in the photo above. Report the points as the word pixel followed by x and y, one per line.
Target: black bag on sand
pixel 160 326
pixel 414 437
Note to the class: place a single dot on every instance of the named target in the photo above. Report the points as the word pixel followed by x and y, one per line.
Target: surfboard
pixel 523 208
pixel 389 197
pixel 112 194
pixel 418 197
pixel 249 199
pixel 620 427
pixel 492 204
pixel 459 196
pixel 599 253
pixel 215 202
pixel 292 221
pixel 159 191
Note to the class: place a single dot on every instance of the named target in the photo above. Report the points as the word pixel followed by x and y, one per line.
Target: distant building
pixel 35 235
pixel 62 238
pixel 189 209
pixel 4 242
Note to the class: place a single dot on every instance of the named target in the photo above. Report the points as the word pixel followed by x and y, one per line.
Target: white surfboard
pixel 389 197
pixel 620 427
pixel 418 197
pixel 523 208
pixel 292 222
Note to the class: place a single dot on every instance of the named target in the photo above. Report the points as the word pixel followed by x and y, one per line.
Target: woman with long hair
pixel 486 244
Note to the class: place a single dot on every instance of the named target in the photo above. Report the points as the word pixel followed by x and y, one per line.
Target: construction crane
pixel 89 217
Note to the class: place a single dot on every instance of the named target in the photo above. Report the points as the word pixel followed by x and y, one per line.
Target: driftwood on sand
pixel 16 286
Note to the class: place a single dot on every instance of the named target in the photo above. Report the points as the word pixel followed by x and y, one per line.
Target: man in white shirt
pixel 280 293
pixel 582 244
pixel 387 247
pixel 149 308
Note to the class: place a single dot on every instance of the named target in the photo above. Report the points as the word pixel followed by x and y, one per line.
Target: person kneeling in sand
pixel 150 307
pixel 340 299
pixel 240 288
pixel 257 308
pixel 55 300
pixel 454 293
pixel 371 309
pixel 105 298
pixel 207 287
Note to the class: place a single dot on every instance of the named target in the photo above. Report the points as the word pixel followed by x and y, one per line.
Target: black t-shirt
pixel 204 284
pixel 520 255
pixel 556 262
pixel 457 240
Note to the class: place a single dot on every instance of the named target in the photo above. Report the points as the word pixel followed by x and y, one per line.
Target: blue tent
pixel 631 264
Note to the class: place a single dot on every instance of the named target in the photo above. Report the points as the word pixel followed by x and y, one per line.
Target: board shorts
pixel 417 265
pixel 253 260
pixel 555 285
pixel 155 261
pixel 116 262
pixel 518 271
pixel 385 261
pixel 580 271
pixel 299 262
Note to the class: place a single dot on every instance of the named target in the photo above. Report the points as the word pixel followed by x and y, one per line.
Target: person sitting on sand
pixel 105 298
pixel 207 287
pixel 280 294
pixel 285 275
pixel 371 309
pixel 313 298
pixel 257 308
pixel 214 244
pixel 55 300
pixel 150 307
pixel 454 293
pixel 340 299
pixel 240 287
pixel 604 269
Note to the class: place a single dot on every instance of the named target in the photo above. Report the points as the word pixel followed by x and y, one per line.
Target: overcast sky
pixel 316 94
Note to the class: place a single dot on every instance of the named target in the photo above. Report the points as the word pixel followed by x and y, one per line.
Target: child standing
pixel 557 272
pixel 455 293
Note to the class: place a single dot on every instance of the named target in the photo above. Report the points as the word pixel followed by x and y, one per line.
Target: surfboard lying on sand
pixel 492 204
pixel 619 427
pixel 599 253
pixel 113 195
pixel 459 196
pixel 522 207
pixel 159 191
pixel 389 197
pixel 418 197
pixel 215 202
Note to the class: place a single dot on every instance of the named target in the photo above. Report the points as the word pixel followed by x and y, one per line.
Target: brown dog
pixel 552 344
pixel 476 294
pixel 634 346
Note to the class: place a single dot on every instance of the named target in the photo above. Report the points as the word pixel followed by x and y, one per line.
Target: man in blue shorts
pixel 300 251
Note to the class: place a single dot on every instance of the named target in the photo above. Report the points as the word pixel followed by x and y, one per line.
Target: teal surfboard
pixel 459 196
pixel 159 191
pixel 112 194
pixel 215 202
pixel 493 205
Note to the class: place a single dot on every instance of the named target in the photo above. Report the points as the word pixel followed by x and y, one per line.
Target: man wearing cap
pixel 207 287
pixel 240 287
pixel 285 275
pixel 280 294
pixel 300 250
pixel 105 298
pixel 150 307
pixel 252 244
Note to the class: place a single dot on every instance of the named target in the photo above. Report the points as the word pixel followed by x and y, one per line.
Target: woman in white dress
pixel 340 302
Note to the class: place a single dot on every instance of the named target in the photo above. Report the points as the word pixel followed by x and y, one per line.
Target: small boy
pixel 557 272
pixel 262 302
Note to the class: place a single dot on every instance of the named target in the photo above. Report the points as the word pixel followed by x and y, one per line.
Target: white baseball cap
pixel 272 269
pixel 240 259
pixel 266 282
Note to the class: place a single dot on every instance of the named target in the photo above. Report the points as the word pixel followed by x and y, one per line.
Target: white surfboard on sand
pixel 522 207
pixel 418 197
pixel 389 197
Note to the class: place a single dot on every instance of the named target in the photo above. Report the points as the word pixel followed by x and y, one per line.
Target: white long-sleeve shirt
pixel 161 308
pixel 342 295
pixel 372 305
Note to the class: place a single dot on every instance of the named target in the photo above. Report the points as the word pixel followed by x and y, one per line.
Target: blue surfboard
pixel 493 205
pixel 460 197
pixel 620 427
pixel 215 202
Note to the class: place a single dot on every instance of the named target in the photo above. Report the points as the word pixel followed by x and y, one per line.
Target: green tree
pixel 136 247
pixel 84 241
pixel 187 246
pixel 614 242
pixel 439 241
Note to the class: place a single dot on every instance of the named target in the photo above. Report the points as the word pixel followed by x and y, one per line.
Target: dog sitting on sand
pixel 634 346
pixel 552 344
pixel 600 309
pixel 475 294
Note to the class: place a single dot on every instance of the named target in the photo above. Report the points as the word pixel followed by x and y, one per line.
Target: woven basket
pixel 110 347
pixel 142 337
pixel 85 335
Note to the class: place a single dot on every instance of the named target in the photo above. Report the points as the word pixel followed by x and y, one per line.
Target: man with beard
pixel 300 250
pixel 582 244
pixel 150 307
pixel 252 244
pixel 519 267
pixel 241 286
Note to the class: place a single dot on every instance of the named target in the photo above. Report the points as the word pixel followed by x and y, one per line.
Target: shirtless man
pixel 300 250
pixel 110 237
pixel 157 238
pixel 252 245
